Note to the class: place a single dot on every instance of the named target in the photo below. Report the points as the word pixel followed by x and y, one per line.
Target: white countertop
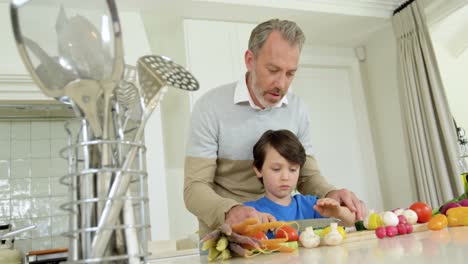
pixel 444 246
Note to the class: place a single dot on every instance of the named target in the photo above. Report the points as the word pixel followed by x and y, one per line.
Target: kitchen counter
pixel 444 246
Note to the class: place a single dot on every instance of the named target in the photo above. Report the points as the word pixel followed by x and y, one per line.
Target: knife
pixel 316 223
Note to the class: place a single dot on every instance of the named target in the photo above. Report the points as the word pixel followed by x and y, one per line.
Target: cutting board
pixel 356 236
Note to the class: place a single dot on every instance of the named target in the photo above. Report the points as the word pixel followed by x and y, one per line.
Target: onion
pixel 463 202
pixel 411 216
pixel 448 206
pixel 398 211
pixel 390 218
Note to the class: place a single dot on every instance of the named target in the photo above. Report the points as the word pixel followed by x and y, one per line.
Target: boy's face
pixel 279 176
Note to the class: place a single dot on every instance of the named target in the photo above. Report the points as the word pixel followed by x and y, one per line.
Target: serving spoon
pixel 155 74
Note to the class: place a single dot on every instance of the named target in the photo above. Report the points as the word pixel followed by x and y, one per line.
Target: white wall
pixel 166 37
pixel 380 73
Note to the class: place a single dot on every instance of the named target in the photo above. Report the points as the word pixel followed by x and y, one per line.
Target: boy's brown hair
pixel 284 142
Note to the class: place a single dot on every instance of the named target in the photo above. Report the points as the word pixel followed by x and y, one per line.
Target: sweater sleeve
pixel 200 168
pixel 199 196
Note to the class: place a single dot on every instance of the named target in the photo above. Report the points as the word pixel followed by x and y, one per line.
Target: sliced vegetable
pixel 260 236
pixel 288 232
pixel 360 226
pixel 287 247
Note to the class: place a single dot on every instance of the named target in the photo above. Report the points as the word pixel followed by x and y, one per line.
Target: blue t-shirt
pixel 301 207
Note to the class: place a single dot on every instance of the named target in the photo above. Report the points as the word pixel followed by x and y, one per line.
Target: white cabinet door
pixel 335 131
pixel 215 52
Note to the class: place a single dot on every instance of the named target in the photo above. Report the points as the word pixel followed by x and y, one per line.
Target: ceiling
pixel 372 8
pixel 321 28
pixel 344 23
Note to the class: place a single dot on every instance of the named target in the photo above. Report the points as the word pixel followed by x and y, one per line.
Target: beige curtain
pixel 431 134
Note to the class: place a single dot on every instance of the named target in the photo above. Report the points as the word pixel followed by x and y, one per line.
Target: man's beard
pixel 259 93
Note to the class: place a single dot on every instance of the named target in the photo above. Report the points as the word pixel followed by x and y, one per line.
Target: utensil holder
pixel 84 167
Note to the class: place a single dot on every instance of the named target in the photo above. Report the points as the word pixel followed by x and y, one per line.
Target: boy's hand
pixel 328 207
pixel 347 198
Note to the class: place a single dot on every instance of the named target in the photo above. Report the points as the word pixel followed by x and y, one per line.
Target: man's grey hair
pixel 289 30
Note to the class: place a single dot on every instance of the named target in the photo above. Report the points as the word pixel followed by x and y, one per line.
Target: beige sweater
pixel 212 188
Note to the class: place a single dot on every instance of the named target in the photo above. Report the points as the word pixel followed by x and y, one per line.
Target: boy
pixel 278 158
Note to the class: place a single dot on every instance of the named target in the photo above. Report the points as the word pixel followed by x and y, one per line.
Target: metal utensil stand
pixel 83 156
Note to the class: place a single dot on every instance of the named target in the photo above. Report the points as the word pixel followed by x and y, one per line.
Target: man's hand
pixel 239 213
pixel 350 200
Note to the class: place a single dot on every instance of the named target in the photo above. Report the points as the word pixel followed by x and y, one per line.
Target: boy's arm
pixel 328 207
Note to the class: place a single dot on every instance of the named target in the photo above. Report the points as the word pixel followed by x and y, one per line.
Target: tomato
pixel 288 232
pixel 438 222
pixel 260 236
pixel 423 211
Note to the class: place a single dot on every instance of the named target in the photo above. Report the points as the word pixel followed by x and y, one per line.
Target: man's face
pixel 272 72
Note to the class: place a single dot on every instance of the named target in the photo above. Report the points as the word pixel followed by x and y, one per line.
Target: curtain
pixel 431 136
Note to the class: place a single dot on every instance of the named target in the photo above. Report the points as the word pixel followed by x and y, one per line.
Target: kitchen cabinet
pixel 215 52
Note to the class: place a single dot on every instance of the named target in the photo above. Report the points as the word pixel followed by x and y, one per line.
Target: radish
pixel 391 231
pixel 402 219
pixel 401 229
pixel 380 232
pixel 409 228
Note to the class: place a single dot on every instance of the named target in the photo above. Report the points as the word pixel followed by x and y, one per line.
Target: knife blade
pixel 316 223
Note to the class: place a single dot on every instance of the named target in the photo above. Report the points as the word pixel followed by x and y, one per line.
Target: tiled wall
pixel 30 191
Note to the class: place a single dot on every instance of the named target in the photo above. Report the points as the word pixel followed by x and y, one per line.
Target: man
pixel 228 120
